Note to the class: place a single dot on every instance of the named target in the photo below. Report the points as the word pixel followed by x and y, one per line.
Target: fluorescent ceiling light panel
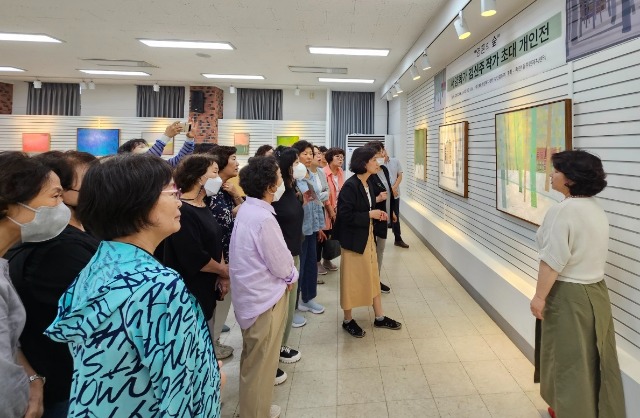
pixel 322 70
pixel 235 76
pixel 348 51
pixel 109 72
pixel 28 37
pixel 12 69
pixel 187 44
pixel 345 80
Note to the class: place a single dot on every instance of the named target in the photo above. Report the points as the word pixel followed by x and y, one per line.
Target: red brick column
pixel 205 125
pixel 6 98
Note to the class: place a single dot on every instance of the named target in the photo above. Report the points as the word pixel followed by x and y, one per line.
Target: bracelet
pixel 36 377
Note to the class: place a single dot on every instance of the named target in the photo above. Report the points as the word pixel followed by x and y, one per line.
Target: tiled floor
pixel 448 360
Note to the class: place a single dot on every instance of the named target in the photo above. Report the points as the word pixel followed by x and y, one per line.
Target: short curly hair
pixel 332 152
pixel 359 159
pixel 222 154
pixel 584 169
pixel 258 175
pixel 21 179
pixel 191 169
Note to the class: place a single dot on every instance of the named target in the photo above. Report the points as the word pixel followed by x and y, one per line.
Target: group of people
pixel 117 275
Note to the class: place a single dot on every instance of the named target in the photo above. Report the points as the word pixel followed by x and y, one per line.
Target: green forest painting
pixel 525 141
pixel 420 154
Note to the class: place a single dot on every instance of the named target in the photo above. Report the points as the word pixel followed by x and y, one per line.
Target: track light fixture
pixel 488 8
pixel 297 91
pixel 37 84
pixel 232 90
pixel 83 85
pixel 156 87
pixel 389 96
pixel 92 85
pixel 461 27
pixel 398 88
pixel 413 70
pixel 424 61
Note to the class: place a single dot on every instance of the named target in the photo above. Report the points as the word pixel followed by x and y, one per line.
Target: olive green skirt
pixel 578 361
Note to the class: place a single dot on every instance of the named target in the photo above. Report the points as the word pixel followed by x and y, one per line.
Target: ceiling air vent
pixel 317 70
pixel 100 62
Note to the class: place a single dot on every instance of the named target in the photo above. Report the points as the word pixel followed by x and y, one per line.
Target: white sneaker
pixel 298 321
pixel 275 411
pixel 312 306
pixel 281 377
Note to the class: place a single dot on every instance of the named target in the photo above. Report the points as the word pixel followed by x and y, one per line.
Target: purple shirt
pixel 260 264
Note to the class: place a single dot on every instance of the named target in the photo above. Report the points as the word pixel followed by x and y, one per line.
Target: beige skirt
pixel 579 371
pixel 359 278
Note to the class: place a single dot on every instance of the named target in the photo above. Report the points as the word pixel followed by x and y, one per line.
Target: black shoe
pixel 387 322
pixel 281 376
pixel 289 355
pixel 353 328
pixel 401 244
pixel 384 288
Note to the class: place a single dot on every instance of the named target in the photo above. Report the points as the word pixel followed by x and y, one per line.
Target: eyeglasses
pixel 176 193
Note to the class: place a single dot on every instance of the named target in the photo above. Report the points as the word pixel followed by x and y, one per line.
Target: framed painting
pixel 420 154
pixel 286 141
pixel 99 142
pixel 151 138
pixel 453 152
pixel 241 142
pixel 525 140
pixel 36 142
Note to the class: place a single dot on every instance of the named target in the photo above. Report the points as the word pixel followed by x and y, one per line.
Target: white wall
pixel 310 105
pixel 115 100
pixel 494 254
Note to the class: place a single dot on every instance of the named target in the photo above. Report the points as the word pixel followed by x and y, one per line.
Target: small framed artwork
pixel 99 142
pixel 36 142
pixel 420 154
pixel 286 141
pixel 151 138
pixel 241 142
pixel 453 154
pixel 525 140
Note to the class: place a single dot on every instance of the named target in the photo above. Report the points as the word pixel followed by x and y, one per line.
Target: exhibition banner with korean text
pixel 509 54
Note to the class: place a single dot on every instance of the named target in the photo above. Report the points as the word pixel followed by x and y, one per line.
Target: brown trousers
pixel 259 360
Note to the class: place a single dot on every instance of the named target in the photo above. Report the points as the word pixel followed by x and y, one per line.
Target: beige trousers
pixel 259 360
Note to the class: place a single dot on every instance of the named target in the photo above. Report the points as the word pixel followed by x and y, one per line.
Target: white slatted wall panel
pixel 264 132
pixel 63 129
pixel 606 93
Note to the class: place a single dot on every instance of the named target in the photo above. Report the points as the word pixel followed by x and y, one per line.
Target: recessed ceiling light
pixel 348 51
pixel 109 72
pixel 27 37
pixel 235 76
pixel 12 69
pixel 187 44
pixel 345 80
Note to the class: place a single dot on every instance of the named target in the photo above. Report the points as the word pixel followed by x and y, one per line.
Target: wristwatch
pixel 36 377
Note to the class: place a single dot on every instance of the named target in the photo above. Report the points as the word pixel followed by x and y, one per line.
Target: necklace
pixel 192 202
pixel 575 196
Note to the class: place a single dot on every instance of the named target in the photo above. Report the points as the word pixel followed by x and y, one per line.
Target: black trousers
pixel 396 225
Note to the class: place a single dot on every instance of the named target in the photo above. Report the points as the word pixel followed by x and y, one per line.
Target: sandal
pixel 354 329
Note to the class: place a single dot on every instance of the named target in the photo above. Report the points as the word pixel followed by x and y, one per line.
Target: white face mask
pixel 299 171
pixel 212 186
pixel 279 192
pixel 48 223
pixel 380 161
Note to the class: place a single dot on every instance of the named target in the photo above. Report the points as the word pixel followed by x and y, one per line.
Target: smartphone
pixel 186 127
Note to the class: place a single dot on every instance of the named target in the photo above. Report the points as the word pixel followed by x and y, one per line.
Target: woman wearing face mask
pixel 289 214
pixel 42 271
pixel 262 275
pixel 31 210
pixel 195 251
pixel 321 184
pixel 138 338
pixel 224 205
pixel 312 226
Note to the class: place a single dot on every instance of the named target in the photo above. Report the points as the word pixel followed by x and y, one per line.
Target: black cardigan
pixel 380 229
pixel 352 221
